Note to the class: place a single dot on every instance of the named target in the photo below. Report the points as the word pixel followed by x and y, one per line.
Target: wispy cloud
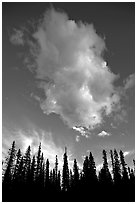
pixel 33 138
pixel 103 134
pixel 17 37
pixel 129 82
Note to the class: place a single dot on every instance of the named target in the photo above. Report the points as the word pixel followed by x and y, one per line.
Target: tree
pixel 10 165
pixel 38 161
pixel 117 170
pixel 18 160
pixel 65 174
pixel 56 169
pixel 112 162
pixel 27 163
pixel 124 168
pixel 75 174
pixel 92 169
pixel 32 171
pixel 104 175
pixel 47 174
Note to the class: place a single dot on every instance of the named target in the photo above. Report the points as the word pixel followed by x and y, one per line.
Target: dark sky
pixel 24 120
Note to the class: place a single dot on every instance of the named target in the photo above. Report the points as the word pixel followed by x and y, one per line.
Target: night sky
pixel 68 78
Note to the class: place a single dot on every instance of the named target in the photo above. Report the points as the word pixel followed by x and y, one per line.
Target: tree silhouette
pixel 105 178
pixel 29 175
pixel 65 173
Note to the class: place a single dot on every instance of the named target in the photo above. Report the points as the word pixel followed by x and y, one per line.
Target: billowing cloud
pixel 76 80
pixel 17 37
pixel 103 134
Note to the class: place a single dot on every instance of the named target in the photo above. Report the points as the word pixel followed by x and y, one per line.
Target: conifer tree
pixel 59 182
pixel 56 169
pixel 75 173
pixel 112 162
pixel 27 163
pixel 38 161
pixel 92 169
pixel 10 165
pixel 47 174
pixel 104 174
pixel 117 170
pixel 124 168
pixel 86 169
pixel 65 174
pixel 18 160
pixel 33 170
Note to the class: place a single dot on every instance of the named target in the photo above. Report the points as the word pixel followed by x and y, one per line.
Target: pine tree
pixel 92 169
pixel 47 174
pixel 10 165
pixel 104 175
pixel 18 160
pixel 112 162
pixel 56 169
pixel 38 161
pixel 75 174
pixel 27 163
pixel 33 170
pixel 86 169
pixel 117 170
pixel 65 174
pixel 58 181
pixel 124 168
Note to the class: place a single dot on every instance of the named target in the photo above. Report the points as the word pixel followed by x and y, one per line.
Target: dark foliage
pixel 30 178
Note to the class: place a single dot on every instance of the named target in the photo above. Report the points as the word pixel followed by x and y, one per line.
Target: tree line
pixel 29 177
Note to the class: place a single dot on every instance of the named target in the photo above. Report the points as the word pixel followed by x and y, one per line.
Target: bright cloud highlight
pixel 103 134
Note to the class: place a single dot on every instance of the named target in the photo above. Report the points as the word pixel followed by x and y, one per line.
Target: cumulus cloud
pixel 77 82
pixel 103 134
pixel 17 37
pixel 80 86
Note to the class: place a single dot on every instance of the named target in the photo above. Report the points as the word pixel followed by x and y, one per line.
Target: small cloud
pixel 82 131
pixel 77 138
pixel 129 81
pixel 17 37
pixel 103 134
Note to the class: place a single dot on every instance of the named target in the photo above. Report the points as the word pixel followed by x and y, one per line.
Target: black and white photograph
pixel 68 101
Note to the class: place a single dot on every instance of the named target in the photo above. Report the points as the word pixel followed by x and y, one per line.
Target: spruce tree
pixel 92 169
pixel 18 160
pixel 75 174
pixel 65 174
pixel 124 168
pixel 56 169
pixel 117 169
pixel 47 180
pixel 10 160
pixel 38 161
pixel 27 163
pixel 104 175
